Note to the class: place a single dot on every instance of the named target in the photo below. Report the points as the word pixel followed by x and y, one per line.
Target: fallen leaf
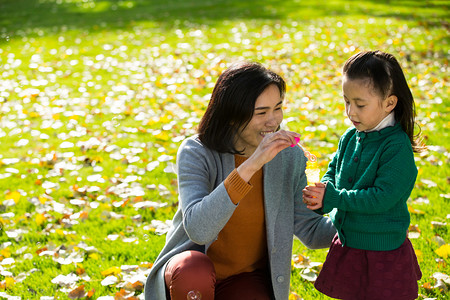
pixel 111 271
pixel 15 196
pixel 77 293
pixel 438 240
pixel 309 274
pixel 436 224
pixel 294 296
pixel 415 211
pixel 110 280
pixel 65 280
pixel 443 251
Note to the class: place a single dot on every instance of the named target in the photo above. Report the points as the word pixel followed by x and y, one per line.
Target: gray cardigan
pixel 205 208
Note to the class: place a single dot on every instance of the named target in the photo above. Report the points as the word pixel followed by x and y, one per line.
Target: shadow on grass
pixel 34 17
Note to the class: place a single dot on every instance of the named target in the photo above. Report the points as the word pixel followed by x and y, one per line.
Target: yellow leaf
pixel 5 252
pixel 419 255
pixel 415 211
pixel 147 265
pixel 9 282
pixel 42 200
pixel 443 251
pixel 105 206
pixel 40 219
pixel 111 271
pixel 162 136
pixel 13 196
pixel 97 158
pixel 3 222
pixel 94 256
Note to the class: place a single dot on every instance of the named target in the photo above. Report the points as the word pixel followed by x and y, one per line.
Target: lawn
pixel 96 96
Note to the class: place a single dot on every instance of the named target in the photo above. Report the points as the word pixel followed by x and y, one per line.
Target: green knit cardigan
pixel 369 181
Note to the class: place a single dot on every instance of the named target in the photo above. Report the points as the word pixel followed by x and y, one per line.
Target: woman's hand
pixel 313 195
pixel 269 147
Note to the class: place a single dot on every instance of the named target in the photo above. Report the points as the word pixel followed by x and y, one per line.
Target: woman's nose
pixel 271 120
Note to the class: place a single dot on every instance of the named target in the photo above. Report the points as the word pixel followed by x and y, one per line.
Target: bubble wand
pixel 312 168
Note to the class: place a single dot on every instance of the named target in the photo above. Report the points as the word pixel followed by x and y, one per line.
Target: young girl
pixel 367 185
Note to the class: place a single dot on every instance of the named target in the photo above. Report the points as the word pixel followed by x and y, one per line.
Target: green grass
pixel 126 81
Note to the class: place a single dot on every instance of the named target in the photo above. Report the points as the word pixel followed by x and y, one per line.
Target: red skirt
pixel 355 274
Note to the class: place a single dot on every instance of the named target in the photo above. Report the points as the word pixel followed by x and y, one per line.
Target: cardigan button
pixel 355 159
pixel 280 279
pixel 350 180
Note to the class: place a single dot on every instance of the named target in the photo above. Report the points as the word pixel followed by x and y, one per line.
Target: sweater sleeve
pixel 236 187
pixel 204 200
pixel 330 175
pixel 395 178
pixel 331 171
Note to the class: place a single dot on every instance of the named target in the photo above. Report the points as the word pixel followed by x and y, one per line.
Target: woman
pixel 240 198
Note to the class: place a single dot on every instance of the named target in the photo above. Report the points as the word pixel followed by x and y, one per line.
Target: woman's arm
pixel 203 198
pixel 269 147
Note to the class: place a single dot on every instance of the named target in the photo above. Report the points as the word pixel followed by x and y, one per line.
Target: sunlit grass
pixel 96 96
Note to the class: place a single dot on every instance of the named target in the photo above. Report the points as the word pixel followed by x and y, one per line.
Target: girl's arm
pixel 395 178
pixel 331 171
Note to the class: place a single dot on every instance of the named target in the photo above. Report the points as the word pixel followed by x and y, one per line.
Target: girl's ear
pixel 390 103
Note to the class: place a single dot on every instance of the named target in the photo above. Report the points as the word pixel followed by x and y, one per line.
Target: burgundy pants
pixel 193 271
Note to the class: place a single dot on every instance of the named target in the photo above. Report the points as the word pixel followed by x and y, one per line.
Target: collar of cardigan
pixel 375 135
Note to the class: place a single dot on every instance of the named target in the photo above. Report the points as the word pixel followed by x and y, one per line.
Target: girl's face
pixel 363 106
pixel 267 117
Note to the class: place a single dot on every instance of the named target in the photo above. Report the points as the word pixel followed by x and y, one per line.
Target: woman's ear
pixel 390 103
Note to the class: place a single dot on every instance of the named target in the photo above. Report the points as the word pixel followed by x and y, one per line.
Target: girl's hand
pixel 313 195
pixel 269 147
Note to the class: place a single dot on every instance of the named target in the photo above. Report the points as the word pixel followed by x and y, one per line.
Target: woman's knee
pixel 190 270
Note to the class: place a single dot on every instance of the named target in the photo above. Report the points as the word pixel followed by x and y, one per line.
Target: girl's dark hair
pixel 387 78
pixel 233 102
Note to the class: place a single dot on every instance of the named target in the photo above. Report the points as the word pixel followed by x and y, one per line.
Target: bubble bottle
pixel 194 295
pixel 312 169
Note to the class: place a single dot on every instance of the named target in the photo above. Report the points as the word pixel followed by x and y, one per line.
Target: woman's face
pixel 267 117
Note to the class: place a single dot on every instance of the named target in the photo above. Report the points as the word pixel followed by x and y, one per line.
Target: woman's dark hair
pixel 386 78
pixel 233 102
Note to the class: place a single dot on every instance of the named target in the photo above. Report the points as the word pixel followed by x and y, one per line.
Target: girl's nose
pixel 349 109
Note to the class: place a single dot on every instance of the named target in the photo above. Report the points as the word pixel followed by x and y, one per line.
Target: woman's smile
pixel 268 114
